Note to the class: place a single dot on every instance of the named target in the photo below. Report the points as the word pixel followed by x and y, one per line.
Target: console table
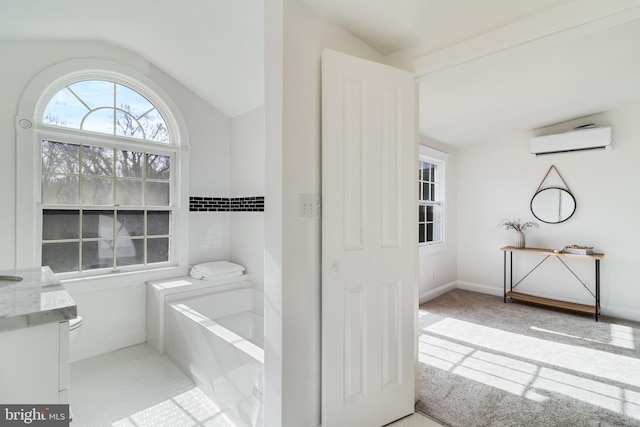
pixel 583 308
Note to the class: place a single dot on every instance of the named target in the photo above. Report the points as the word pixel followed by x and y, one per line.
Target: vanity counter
pixel 39 298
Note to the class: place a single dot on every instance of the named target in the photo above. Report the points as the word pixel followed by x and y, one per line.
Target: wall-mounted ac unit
pixel 585 138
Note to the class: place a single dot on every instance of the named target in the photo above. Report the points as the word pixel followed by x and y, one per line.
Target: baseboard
pixel 105 345
pixel 435 293
pixel 620 313
pixel 477 287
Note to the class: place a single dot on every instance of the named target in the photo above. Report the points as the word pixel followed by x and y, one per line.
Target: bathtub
pixel 217 339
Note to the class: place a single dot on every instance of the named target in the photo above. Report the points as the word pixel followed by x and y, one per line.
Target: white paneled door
pixel 369 242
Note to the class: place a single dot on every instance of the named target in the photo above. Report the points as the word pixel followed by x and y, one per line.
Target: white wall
pixel 247 154
pixel 247 180
pixel 209 235
pixel 438 268
pixel 497 180
pixel 113 307
pixel 293 285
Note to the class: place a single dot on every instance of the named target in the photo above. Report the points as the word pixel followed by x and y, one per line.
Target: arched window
pixel 106 107
pixel 107 176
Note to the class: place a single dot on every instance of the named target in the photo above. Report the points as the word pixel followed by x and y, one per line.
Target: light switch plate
pixel 310 205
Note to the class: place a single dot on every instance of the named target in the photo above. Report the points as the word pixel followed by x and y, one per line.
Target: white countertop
pixel 37 299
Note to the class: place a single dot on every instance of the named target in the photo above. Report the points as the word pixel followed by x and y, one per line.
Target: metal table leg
pixel 597 287
pixel 504 276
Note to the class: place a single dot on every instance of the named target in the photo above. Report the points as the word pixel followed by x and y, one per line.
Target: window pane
pixel 437 213
pixel 158 167
pixel 424 167
pixel 59 190
pixel 425 192
pixel 60 224
pixel 64 110
pixel 97 191
pixel 157 194
pixel 421 213
pixel 94 93
pixel 129 164
pixel 154 127
pixel 429 232
pixel 127 125
pixel 429 213
pixel 128 192
pixel 421 236
pixel 98 254
pixel 100 121
pixel 131 101
pixel 97 224
pixel 437 231
pixel 157 250
pixel 129 252
pixel 158 223
pixel 432 192
pixel 130 223
pixel 61 257
pixel 97 161
pixel 60 158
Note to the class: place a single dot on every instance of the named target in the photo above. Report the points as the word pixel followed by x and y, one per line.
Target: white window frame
pixel 438 158
pixel 103 140
pixel 30 131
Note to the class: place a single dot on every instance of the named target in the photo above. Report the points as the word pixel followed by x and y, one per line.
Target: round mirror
pixel 553 205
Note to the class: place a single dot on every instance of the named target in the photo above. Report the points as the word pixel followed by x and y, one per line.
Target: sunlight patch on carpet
pixel 504 373
pixel 586 360
pixel 532 367
pixel 620 336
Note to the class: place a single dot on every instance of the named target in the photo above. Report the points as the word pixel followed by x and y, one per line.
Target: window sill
pixel 433 249
pixel 98 283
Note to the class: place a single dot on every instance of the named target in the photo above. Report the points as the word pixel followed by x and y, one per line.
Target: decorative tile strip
pixel 222 204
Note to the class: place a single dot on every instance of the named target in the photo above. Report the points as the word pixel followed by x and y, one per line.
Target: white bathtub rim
pixel 181 284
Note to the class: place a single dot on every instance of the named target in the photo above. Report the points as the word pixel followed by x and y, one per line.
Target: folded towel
pixel 216 270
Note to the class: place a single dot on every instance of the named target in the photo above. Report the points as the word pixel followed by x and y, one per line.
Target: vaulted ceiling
pixel 492 68
pixel 213 47
pixel 486 68
pixel 425 26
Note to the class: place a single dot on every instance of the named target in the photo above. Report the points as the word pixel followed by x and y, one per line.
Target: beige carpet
pixel 486 363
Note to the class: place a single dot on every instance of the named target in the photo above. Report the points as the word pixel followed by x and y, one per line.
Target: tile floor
pixel 134 387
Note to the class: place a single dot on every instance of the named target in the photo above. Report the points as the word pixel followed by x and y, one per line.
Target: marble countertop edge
pixel 39 298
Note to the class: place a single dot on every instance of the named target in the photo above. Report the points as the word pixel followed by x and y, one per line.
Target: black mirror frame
pixel 575 204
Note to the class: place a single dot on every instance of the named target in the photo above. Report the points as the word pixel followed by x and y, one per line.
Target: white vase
pixel 518 239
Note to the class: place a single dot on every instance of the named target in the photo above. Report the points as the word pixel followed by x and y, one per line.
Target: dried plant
pixel 517 225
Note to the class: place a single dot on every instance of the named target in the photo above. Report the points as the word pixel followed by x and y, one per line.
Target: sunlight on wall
pixel 535 368
pixel 229 336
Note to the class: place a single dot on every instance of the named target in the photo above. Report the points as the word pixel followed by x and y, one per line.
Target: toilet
pixel 74 327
